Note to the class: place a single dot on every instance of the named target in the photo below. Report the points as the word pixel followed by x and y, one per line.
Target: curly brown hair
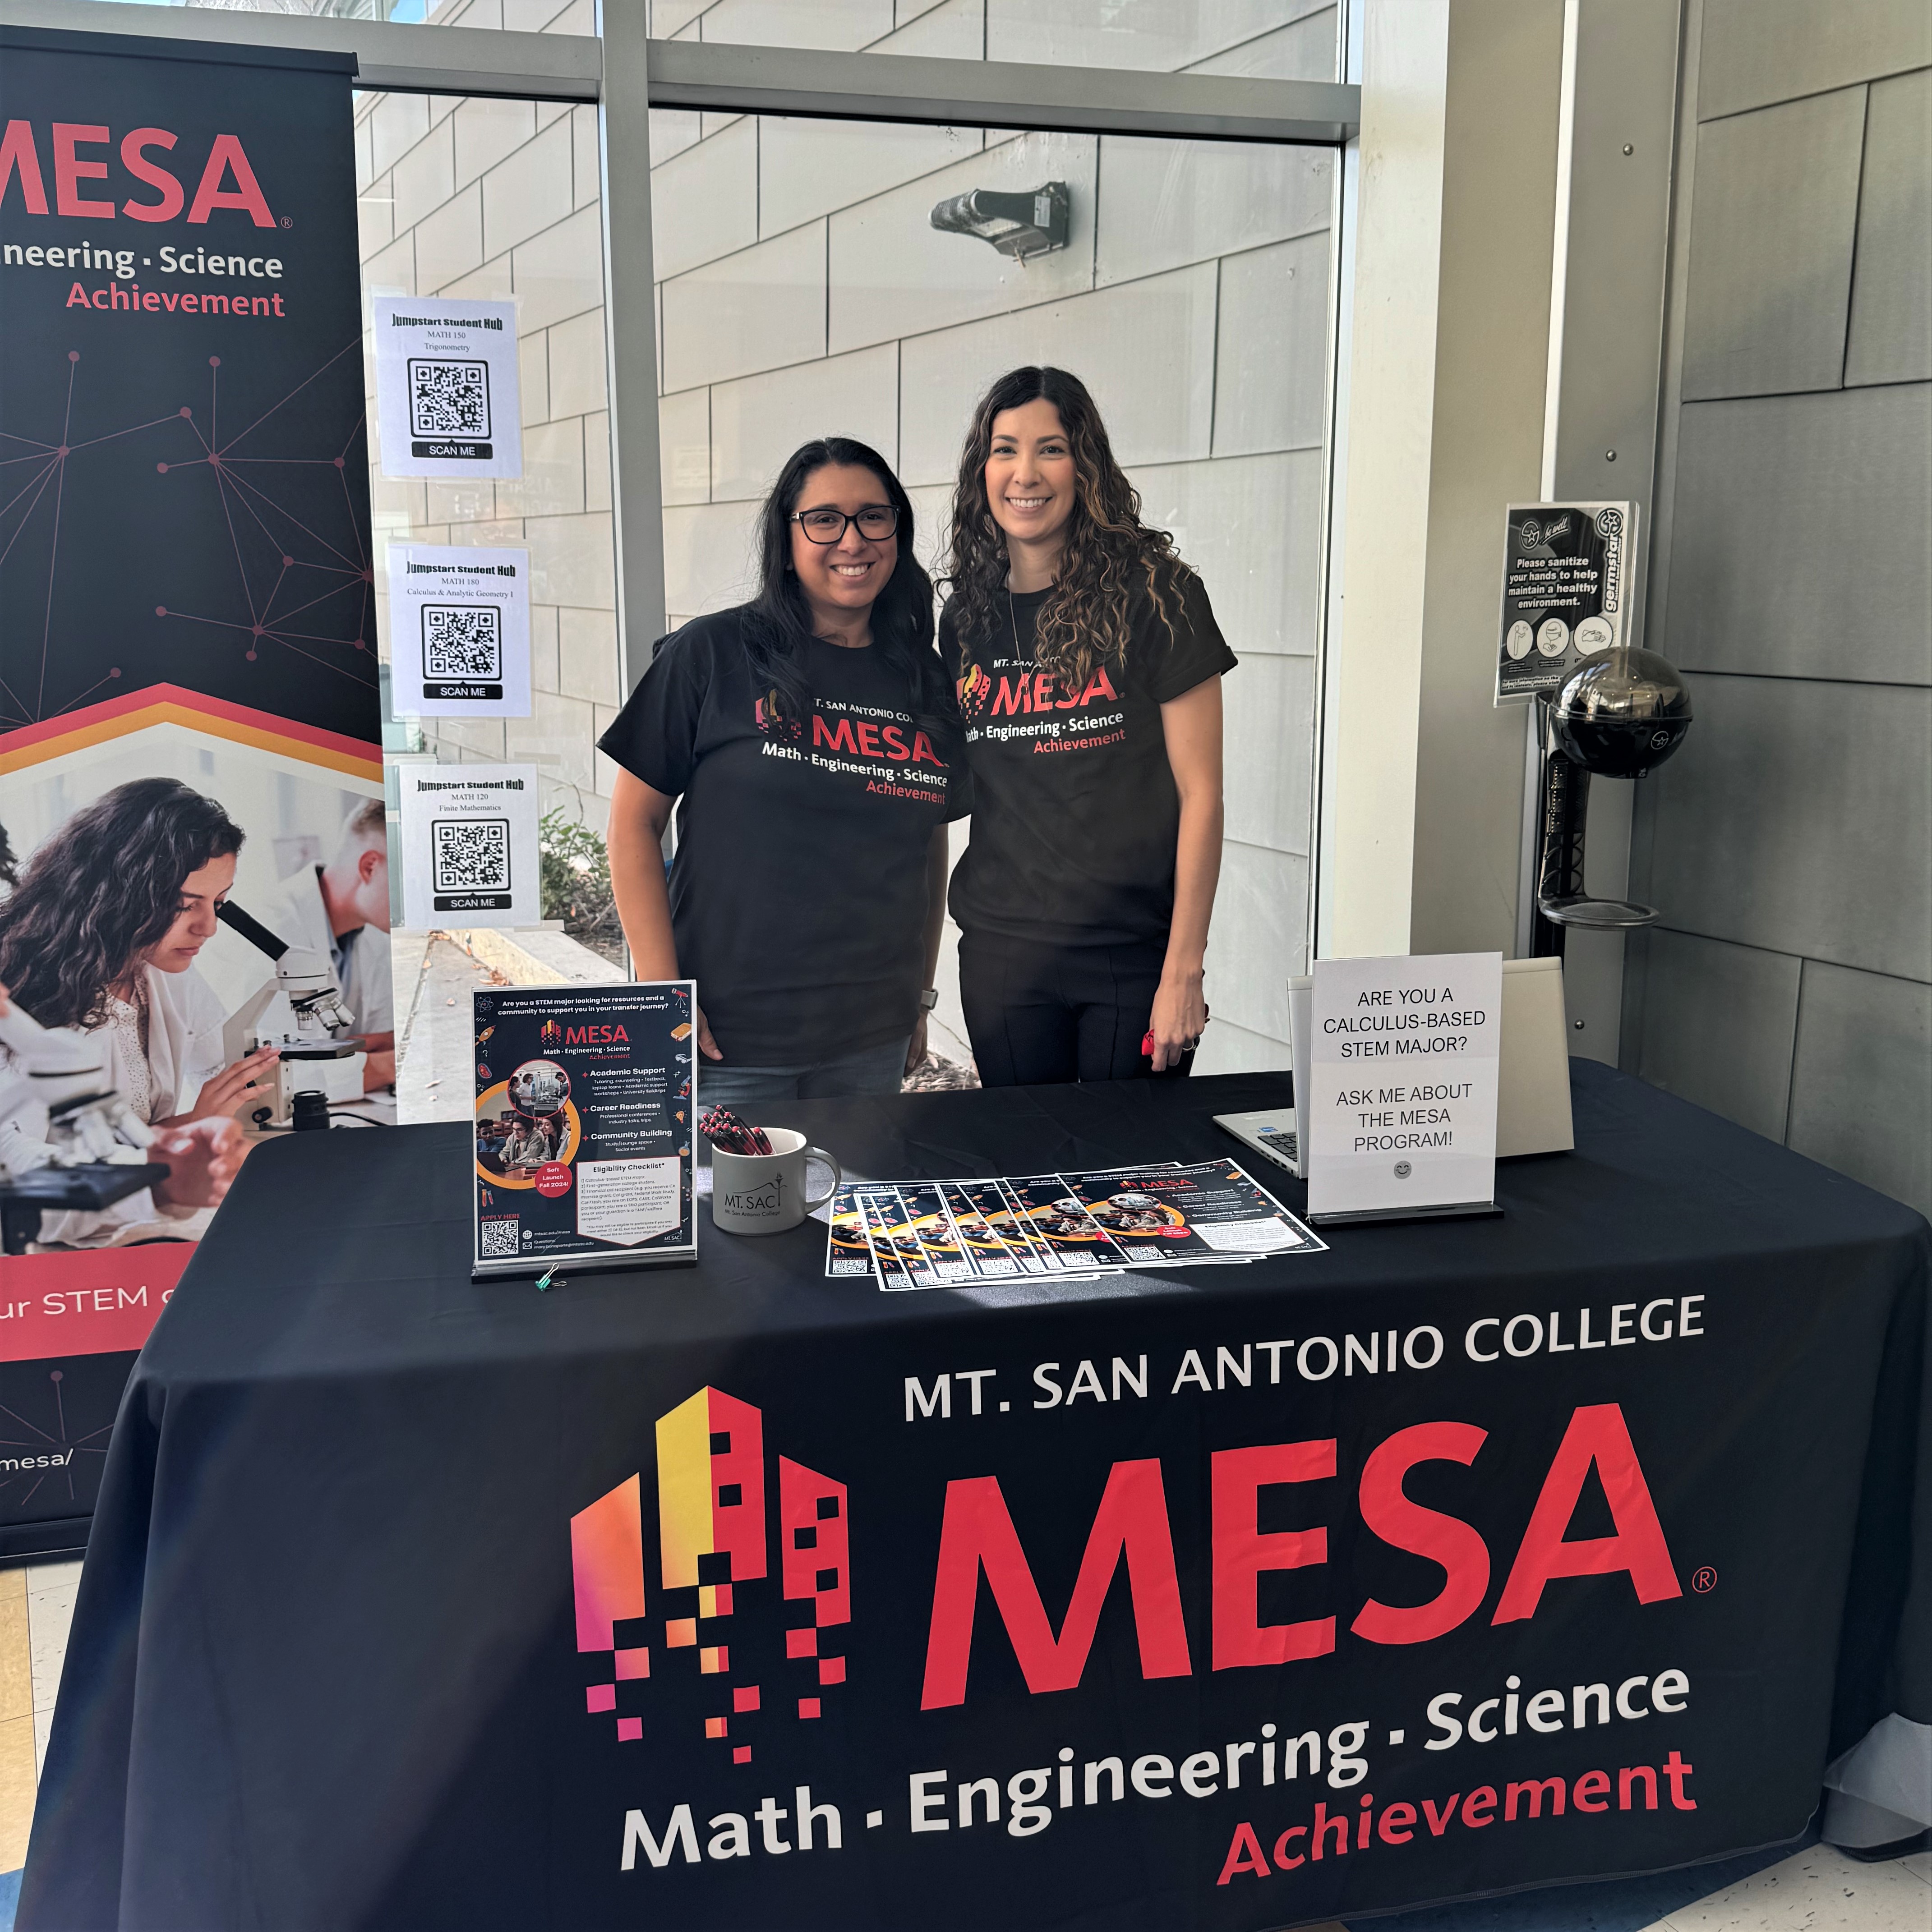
pixel 1110 555
pixel 101 889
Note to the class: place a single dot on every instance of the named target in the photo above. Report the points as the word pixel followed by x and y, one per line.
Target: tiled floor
pixel 36 1606
pixel 1815 1890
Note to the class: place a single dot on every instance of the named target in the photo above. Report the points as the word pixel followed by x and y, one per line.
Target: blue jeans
pixel 743 1090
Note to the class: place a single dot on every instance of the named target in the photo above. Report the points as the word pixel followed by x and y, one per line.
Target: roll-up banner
pixel 189 706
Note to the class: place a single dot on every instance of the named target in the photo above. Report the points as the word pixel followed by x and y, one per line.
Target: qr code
pixel 499 1238
pixel 462 641
pixel 473 855
pixel 449 398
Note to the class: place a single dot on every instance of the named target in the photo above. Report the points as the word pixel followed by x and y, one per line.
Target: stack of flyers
pixel 943 1234
pixel 1184 1216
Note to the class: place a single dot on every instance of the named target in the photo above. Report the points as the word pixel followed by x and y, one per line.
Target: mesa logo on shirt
pixel 1015 687
pixel 881 745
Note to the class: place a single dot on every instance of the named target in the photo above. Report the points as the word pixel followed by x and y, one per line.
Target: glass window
pixel 556 16
pixel 499 200
pixel 803 289
pixel 1270 40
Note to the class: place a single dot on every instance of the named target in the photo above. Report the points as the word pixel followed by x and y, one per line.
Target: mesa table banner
pixel 188 679
pixel 1461 1556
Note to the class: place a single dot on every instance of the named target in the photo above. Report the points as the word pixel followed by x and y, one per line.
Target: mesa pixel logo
pixel 550 1036
pixel 711 1510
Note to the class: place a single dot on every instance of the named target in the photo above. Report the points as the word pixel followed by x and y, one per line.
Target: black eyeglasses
pixel 876 522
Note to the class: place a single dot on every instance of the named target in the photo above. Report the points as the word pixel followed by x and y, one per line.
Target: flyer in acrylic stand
pixel 1402 1078
pixel 583 1127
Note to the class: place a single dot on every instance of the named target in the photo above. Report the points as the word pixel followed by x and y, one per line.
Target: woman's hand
pixel 220 1096
pixel 202 1159
pixel 707 1046
pixel 1179 1016
pixel 915 1051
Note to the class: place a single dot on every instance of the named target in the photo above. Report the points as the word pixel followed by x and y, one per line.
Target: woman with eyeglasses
pixel 813 738
pixel 1089 668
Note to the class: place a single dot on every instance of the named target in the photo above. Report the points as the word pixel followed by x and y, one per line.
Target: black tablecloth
pixel 327 1669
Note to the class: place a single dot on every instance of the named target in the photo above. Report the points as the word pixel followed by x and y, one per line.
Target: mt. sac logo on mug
pixel 711 1507
pixel 767 1198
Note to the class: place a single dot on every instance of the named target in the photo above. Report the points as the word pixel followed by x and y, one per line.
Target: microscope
pixel 300 1014
pixel 68 1139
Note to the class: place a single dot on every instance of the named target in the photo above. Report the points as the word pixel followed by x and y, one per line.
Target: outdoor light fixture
pixel 1019 225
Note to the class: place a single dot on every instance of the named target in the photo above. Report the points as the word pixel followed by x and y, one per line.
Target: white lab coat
pixel 294 911
pixel 185 1018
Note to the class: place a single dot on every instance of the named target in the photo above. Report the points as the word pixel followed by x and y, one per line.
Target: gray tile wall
pixel 1788 985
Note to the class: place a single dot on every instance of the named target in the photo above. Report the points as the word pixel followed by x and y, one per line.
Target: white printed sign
pixel 447 402
pixel 628 1202
pixel 459 632
pixel 1402 1082
pixel 469 836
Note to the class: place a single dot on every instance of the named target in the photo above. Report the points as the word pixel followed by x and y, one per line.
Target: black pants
pixel 1042 1015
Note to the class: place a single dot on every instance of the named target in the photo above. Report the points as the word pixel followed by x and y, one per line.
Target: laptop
pixel 1272 1135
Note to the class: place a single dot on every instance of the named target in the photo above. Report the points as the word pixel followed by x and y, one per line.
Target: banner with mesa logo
pixel 189 701
pixel 1157 1621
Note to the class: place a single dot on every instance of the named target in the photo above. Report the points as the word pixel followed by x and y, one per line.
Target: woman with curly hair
pixel 101 931
pixel 1089 668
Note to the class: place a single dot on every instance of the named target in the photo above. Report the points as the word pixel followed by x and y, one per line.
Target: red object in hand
pixel 723 1129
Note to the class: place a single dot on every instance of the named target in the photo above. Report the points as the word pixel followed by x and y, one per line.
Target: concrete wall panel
pixel 1771 248
pixel 530 191
pixel 1163 203
pixel 1268 705
pixel 708 559
pixel 806 168
pixel 758 422
pixel 838 24
pixel 1860 1099
pixel 1796 817
pixel 953 30
pixel 704 203
pixel 684 442
pixel 1260 935
pixel 488 131
pixel 1891 289
pixel 759 309
pixel 1251 525
pixel 1145 351
pixel 1271 363
pixel 1304 50
pixel 1149 35
pixel 1799 548
pixel 1719 1026
pixel 1754 51
pixel 560 273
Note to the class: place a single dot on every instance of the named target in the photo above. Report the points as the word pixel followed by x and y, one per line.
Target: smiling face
pixel 194 922
pixel 1029 475
pixel 841 579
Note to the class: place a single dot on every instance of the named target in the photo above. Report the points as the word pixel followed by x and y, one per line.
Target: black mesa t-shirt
pixel 798 891
pixel 1075 814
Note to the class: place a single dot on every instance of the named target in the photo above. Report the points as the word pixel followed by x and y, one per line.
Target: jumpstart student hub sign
pixel 1256 1630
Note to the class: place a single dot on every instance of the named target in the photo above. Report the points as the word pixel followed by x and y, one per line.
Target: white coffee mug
pixel 765 1193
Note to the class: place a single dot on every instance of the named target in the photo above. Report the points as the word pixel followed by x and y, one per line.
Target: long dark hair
pixel 101 890
pixel 778 620
pixel 1111 555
